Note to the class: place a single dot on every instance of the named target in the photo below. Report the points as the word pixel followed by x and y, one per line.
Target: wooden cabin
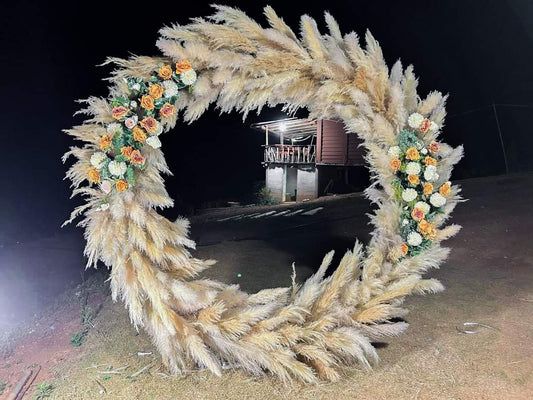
pixel 305 159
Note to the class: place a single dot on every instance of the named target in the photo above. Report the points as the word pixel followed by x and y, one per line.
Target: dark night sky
pixel 478 51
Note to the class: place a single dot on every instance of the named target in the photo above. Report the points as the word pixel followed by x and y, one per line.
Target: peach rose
pixel 434 147
pixel 149 123
pixel 167 110
pixel 156 91
pixel 126 151
pixel 182 66
pixel 147 102
pixel 165 72
pixel 417 214
pixel 405 249
pixel 412 154
pixel 430 161
pixel 413 179
pixel 445 189
pixel 395 164
pixel 428 188
pixel 139 135
pixel 105 142
pixel 137 158
pixel 427 229
pixel 121 185
pixel 119 112
pixel 94 176
pixel 424 126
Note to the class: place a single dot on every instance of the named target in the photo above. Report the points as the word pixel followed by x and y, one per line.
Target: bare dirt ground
pixel 489 280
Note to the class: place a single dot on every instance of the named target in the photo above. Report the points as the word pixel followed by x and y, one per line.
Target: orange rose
pixel 427 229
pixel 182 66
pixel 405 249
pixel 434 147
pixel 147 102
pixel 445 189
pixel 430 161
pixel 413 179
pixel 167 110
pixel 139 135
pixel 412 154
pixel 417 214
pixel 105 142
pixel 94 176
pixel 428 188
pixel 165 72
pixel 395 164
pixel 149 123
pixel 119 112
pixel 121 185
pixel 137 158
pixel 126 151
pixel 156 91
pixel 424 126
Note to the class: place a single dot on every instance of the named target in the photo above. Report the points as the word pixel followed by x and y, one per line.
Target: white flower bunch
pixel 430 173
pixel 171 89
pixel 394 152
pixel 114 128
pixel 415 120
pixel 98 160
pixel 412 168
pixel 117 168
pixel 188 77
pixel 414 239
pixel 437 200
pixel 433 127
pixel 409 195
pixel 154 142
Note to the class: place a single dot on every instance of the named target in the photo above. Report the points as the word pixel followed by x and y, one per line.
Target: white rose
pixel 106 186
pixel 394 152
pixel 133 104
pixel 424 151
pixel 117 168
pixel 98 160
pixel 131 122
pixel 136 86
pixel 437 200
pixel 415 120
pixel 171 89
pixel 412 168
pixel 114 128
pixel 154 142
pixel 405 222
pixel 409 195
pixel 414 239
pixel 159 129
pixel 423 206
pixel 188 77
pixel 419 145
pixel 433 127
pixel 430 173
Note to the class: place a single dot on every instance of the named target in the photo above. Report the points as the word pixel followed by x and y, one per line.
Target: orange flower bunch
pixel 139 135
pixel 119 112
pixel 412 154
pixel 395 164
pixel 430 161
pixel 445 189
pixel 428 188
pixel 182 66
pixel 427 229
pixel 167 110
pixel 413 179
pixel 149 123
pixel 105 141
pixel 94 176
pixel 165 72
pixel 121 185
pixel 147 102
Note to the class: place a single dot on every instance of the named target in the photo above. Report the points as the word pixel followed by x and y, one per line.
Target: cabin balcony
pixel 289 154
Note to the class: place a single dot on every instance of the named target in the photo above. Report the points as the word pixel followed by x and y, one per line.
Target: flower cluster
pixel 138 122
pixel 415 165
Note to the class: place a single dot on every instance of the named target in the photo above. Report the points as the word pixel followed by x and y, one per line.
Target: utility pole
pixel 501 138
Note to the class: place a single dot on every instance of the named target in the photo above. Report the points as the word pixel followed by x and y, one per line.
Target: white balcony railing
pixel 289 154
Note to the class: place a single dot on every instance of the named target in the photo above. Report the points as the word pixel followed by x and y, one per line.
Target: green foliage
pixel 2 387
pixel 78 338
pixel 409 139
pixel 264 197
pixel 43 391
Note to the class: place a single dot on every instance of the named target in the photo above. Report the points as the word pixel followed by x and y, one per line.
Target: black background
pixel 478 51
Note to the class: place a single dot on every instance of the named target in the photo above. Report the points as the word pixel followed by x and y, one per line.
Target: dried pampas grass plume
pixel 305 332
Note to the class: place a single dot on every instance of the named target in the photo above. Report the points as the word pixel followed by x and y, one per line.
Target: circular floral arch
pixel 308 330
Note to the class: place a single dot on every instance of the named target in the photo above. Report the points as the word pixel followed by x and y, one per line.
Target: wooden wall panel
pixel 335 147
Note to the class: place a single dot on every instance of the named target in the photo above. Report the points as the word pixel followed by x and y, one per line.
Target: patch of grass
pixel 78 338
pixel 87 318
pixel 2 387
pixel 43 391
pixel 264 197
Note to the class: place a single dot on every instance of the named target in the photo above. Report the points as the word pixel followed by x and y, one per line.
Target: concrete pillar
pixel 275 182
pixel 307 184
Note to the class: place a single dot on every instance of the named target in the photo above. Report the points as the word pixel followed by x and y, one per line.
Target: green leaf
pixel 130 176
pixel 121 157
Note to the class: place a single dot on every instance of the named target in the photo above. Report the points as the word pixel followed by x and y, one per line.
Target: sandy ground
pixel 489 280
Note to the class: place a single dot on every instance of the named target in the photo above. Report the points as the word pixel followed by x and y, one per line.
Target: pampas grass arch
pixel 307 331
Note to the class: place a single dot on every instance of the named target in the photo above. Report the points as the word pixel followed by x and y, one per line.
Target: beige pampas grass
pixel 305 332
